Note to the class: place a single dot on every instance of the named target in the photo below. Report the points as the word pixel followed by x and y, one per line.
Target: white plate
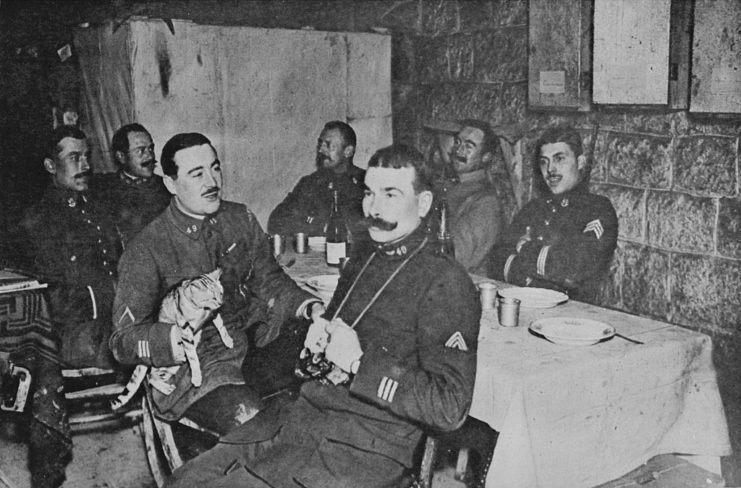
pixel 535 297
pixel 572 330
pixel 323 282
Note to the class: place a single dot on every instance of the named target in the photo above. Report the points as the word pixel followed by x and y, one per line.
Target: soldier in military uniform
pixel 475 211
pixel 401 332
pixel 75 248
pixel 134 193
pixel 195 234
pixel 565 239
pixel 307 207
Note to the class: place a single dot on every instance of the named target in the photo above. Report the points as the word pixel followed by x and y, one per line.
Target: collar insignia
pixel 565 202
pixel 456 342
pixel 71 202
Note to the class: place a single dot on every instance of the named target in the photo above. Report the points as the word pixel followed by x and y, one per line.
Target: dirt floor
pixel 100 460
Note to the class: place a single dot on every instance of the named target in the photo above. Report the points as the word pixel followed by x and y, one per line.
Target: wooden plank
pixel 631 51
pixel 716 57
pixel 680 37
pixel 556 49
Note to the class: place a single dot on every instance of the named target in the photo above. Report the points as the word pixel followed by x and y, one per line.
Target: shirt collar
pixel 401 248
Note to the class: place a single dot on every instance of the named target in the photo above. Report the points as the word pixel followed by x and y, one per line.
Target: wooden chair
pixel 473 436
pixel 165 454
pixel 89 392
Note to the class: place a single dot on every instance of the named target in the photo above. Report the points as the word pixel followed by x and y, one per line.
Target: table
pixel 27 334
pixel 578 416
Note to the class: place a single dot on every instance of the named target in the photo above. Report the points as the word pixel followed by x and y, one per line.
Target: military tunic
pixel 134 201
pixel 75 247
pixel 419 342
pixel 175 247
pixel 572 238
pixel 306 208
pixel 476 219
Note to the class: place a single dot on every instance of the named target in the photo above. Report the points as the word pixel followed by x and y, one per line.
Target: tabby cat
pixel 189 306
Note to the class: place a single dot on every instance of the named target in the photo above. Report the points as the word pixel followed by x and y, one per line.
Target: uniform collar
pixel 131 180
pixel 566 198
pixel 65 197
pixel 478 175
pixel 401 248
pixel 188 224
pixel 353 173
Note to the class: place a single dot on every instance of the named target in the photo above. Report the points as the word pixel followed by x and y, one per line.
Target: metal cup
pixel 279 245
pixel 300 242
pixel 509 311
pixel 488 294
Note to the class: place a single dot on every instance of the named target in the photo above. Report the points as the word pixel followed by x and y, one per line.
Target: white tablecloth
pixel 578 416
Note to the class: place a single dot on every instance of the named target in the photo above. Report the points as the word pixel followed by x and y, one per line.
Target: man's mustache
pixel 211 190
pixel 84 174
pixel 147 164
pixel 378 223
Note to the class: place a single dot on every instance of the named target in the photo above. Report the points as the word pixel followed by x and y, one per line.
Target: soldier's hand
pixel 343 348
pixel 317 336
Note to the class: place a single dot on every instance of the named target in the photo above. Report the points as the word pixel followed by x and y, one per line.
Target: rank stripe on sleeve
pixel 596 227
pixel 387 389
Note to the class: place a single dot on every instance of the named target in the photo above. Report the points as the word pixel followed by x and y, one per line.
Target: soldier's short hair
pixel 120 141
pixel 490 140
pixel 63 131
pixel 565 134
pixel 177 143
pixel 399 156
pixel 347 132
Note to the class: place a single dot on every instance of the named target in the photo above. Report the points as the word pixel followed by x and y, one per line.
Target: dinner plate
pixel 323 282
pixel 572 330
pixel 535 297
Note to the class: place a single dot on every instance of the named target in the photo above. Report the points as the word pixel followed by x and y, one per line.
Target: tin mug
pixel 300 242
pixel 488 295
pixel 278 244
pixel 509 311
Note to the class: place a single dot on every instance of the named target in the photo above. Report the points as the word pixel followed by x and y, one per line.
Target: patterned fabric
pixel 27 333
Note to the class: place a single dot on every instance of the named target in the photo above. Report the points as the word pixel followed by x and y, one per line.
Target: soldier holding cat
pixel 196 234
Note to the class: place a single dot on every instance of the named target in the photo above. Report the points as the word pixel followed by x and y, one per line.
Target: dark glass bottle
pixel 339 237
pixel 444 239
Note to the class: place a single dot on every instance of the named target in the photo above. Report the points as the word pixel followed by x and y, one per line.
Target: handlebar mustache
pixel 378 223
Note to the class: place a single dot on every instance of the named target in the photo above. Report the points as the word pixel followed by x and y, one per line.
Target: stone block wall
pixel 673 177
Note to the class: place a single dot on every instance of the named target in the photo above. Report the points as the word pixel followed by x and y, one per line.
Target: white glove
pixel 317 337
pixel 343 348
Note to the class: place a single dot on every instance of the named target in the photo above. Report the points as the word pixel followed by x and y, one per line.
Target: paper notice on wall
pixel 553 82
pixel 726 82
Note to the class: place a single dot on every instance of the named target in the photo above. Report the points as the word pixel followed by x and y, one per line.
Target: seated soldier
pixel 134 193
pixel 565 239
pixel 306 208
pixel 197 233
pixel 475 211
pixel 75 248
pixel 399 340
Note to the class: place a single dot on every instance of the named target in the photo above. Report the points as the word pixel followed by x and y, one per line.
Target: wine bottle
pixel 338 233
pixel 444 239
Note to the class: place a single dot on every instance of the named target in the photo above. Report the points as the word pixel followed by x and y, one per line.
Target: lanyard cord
pixel 380 290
